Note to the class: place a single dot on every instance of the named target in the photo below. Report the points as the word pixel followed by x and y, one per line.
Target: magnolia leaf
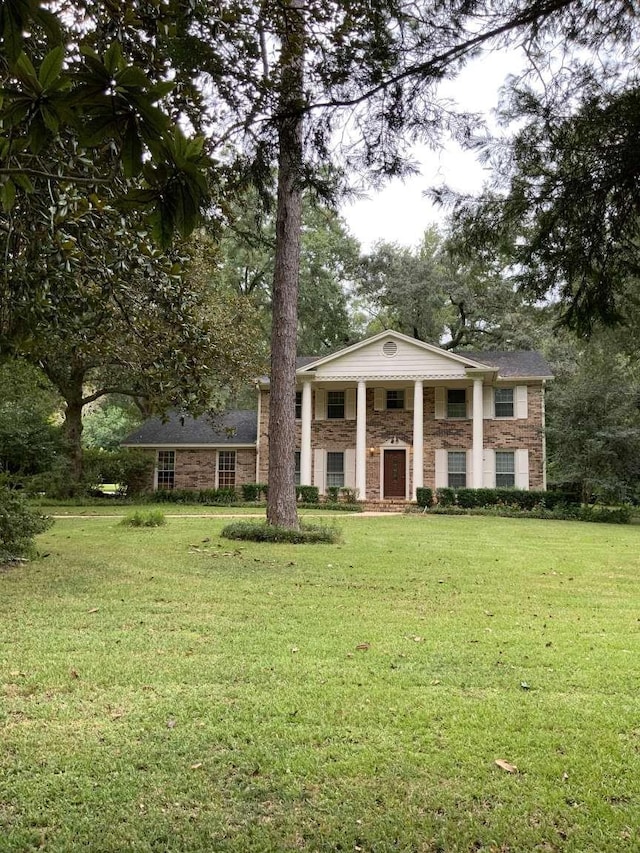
pixel 51 67
pixel 505 765
pixel 8 192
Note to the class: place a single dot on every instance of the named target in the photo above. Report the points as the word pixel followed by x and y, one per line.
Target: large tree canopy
pixel 440 294
pixel 565 200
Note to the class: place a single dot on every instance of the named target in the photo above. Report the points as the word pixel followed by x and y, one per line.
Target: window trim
pixel 225 485
pixel 497 403
pixel 400 398
pixel 458 403
pixel 463 454
pixel 328 473
pixel 511 474
pixel 342 405
pixel 165 470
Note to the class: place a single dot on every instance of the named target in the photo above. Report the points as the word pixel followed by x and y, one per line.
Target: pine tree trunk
pixel 281 503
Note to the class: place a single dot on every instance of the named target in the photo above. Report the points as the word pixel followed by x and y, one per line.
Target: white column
pixel 361 441
pixel 478 435
pixel 418 437
pixel 305 437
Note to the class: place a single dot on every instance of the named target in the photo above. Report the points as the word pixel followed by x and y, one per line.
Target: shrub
pixel 308 494
pixel 424 496
pixel 18 526
pixel 350 495
pixel 446 496
pixel 151 518
pixel 253 491
pixel 332 494
pixel 262 532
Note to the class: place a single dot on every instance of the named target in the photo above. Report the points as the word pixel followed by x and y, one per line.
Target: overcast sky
pixel 400 212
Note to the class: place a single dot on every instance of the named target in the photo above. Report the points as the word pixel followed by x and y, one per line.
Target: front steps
pixel 386 505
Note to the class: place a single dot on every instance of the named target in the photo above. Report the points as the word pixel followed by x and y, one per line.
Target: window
pixel 297 468
pixel 456 403
pixel 503 400
pixel 457 469
pixel 395 399
pixel 298 405
pixel 166 469
pixel 226 468
pixel 505 469
pixel 335 405
pixel 335 469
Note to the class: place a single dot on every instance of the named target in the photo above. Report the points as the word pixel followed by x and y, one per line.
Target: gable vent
pixel 390 348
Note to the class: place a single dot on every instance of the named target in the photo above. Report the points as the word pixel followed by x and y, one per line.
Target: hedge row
pixel 600 514
pixel 519 498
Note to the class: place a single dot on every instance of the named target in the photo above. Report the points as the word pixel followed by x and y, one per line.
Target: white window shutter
pixel 489 469
pixel 321 404
pixel 379 399
pixel 350 404
pixel 469 468
pixel 487 402
pixel 408 399
pixel 320 470
pixel 350 468
pixel 441 405
pixel 442 477
pixel 521 402
pixel 522 469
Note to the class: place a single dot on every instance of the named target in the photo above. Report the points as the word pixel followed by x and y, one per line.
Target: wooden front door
pixel 395 478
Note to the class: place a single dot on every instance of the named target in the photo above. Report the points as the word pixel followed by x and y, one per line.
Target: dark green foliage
pixel 213 497
pixel 129 467
pixel 519 498
pixel 261 532
pixel 18 526
pixel 445 496
pixel 349 495
pixel 253 491
pixel 424 496
pixel 561 512
pixel 332 494
pixel 153 518
pixel 308 494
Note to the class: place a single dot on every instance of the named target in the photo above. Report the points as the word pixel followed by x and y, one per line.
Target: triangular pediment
pixel 394 356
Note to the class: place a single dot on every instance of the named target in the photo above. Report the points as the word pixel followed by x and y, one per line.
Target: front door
pixel 395 482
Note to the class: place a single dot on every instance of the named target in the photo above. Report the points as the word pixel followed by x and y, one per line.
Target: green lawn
pixel 166 690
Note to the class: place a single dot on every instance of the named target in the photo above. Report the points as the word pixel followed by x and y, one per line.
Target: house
pixel 385 416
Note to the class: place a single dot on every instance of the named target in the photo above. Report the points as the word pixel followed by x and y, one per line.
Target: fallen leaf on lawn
pixel 524 685
pixel 197 765
pixel 349 654
pixel 74 673
pixel 294 649
pixel 363 647
pixel 93 610
pixel 171 724
pixel 504 765
pixel 418 639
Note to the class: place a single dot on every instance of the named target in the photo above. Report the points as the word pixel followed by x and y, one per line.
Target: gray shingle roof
pixel 523 363
pixel 228 428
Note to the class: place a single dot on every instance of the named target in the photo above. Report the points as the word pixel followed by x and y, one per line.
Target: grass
pixel 164 690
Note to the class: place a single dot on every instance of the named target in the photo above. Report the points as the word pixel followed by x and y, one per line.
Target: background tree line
pixel 124 124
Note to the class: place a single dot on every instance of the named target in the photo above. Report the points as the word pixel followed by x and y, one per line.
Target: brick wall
pixel 438 434
pixel 196 469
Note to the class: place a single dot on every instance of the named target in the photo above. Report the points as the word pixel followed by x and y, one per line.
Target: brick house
pixel 384 417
